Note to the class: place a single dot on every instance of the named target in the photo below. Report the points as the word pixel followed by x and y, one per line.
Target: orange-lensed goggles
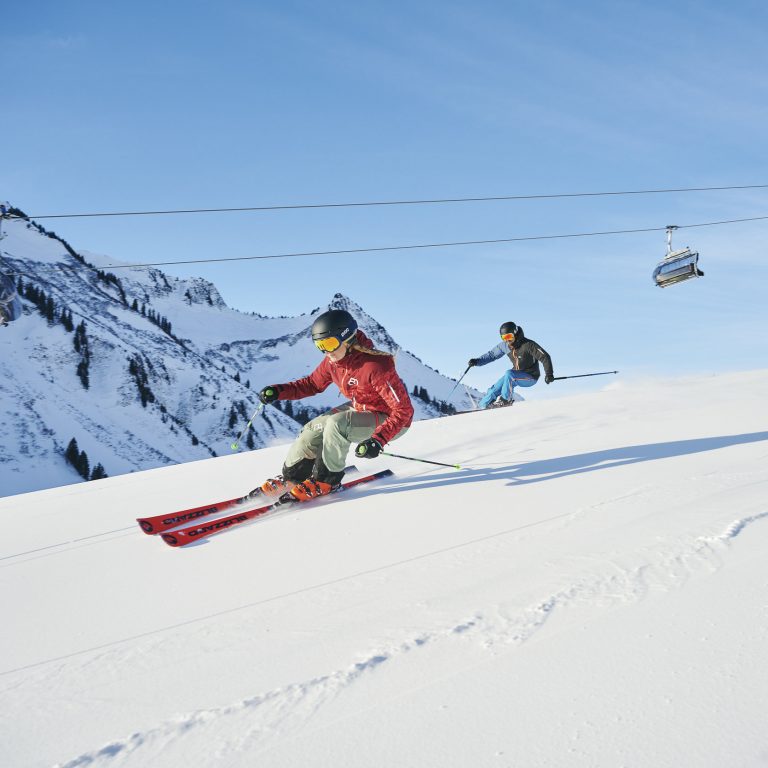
pixel 507 336
pixel 331 344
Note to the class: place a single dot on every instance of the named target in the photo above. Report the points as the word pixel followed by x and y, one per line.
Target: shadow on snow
pixel 564 466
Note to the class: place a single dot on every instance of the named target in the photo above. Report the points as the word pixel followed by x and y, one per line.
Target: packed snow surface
pixel 590 589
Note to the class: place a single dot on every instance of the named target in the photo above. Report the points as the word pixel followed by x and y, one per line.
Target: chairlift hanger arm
pixel 670 228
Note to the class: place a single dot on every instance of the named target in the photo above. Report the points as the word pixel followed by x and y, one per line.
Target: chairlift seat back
pixel 676 267
pixel 10 304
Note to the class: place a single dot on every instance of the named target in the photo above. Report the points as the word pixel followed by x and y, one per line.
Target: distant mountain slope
pixel 142 369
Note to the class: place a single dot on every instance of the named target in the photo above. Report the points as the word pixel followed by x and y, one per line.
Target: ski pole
pixel 424 461
pixel 447 399
pixel 581 375
pixel 236 445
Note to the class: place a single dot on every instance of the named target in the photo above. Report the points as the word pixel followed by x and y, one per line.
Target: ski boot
pixel 310 489
pixel 284 482
pixel 322 482
pixel 272 488
pixel 500 402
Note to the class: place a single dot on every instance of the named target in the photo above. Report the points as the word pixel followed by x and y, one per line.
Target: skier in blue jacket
pixel 525 355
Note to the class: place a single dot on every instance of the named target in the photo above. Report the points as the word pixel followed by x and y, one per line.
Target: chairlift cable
pixel 429 245
pixel 418 246
pixel 368 204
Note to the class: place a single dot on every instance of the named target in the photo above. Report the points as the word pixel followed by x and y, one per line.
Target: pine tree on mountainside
pixel 80 342
pixel 139 374
pixel 72 453
pixel 111 279
pixel 98 473
pixel 82 466
pixel 65 318
pixel 78 459
pixel 421 393
pixel 44 303
pixel 82 373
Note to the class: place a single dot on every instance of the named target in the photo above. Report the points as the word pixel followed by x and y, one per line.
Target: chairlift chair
pixel 676 265
pixel 10 305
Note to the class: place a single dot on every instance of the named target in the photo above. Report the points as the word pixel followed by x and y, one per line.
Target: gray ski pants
pixel 331 434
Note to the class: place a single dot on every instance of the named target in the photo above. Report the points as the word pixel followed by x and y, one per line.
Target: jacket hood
pixel 519 337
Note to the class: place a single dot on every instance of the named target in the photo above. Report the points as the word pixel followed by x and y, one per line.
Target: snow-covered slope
pixel 589 590
pixel 152 370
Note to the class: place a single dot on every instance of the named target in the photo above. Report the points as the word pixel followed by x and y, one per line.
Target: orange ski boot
pixel 272 488
pixel 311 489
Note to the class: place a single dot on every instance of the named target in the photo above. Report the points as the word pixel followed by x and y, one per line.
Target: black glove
pixel 549 378
pixel 369 449
pixel 269 394
pixel 472 363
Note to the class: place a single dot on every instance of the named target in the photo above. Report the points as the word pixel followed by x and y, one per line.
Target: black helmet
pixel 337 323
pixel 509 327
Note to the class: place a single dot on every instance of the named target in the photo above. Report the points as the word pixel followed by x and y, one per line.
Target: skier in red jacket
pixel 378 410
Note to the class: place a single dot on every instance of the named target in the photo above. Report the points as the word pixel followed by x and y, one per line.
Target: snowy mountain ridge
pixel 141 369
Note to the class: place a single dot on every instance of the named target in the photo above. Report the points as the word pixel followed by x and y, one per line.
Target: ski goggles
pixel 507 336
pixel 331 344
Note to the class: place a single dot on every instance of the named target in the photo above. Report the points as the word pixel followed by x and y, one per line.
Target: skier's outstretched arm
pixel 316 382
pixel 492 354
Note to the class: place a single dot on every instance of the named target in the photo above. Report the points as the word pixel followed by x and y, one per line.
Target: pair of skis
pixel 167 525
pixel 480 410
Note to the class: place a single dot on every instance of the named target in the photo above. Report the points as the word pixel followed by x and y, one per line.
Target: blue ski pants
pixel 505 386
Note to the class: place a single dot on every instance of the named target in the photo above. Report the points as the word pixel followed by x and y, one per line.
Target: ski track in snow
pixel 278 708
pixel 735 528
pixel 255 723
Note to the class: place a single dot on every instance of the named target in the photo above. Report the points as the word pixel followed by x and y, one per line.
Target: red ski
pixel 160 523
pixel 202 530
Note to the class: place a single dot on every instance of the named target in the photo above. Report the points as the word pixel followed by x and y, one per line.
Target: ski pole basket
pixel 676 265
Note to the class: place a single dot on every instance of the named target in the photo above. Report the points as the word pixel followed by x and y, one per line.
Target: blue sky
pixel 139 106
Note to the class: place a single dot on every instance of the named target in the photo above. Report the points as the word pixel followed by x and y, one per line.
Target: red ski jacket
pixel 369 381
